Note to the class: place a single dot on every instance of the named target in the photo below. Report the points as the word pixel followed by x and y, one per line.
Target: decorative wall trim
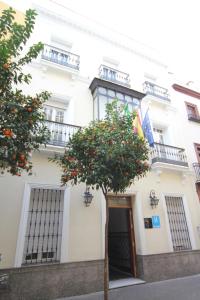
pixel 22 226
pixel 186 91
pixel 88 30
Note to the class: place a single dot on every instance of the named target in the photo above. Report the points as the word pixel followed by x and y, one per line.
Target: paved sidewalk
pixel 186 288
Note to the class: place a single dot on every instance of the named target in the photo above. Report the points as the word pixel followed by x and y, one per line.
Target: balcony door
pixel 159 138
pixel 55 116
pixel 158 135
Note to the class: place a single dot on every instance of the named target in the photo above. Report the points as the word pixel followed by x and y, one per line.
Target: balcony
pixel 157 91
pixel 61 57
pixel 165 154
pixel 196 167
pixel 113 75
pixel 60 133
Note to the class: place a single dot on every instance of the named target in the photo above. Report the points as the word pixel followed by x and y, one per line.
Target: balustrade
pixel 61 57
pixel 60 133
pixel 168 154
pixel 111 74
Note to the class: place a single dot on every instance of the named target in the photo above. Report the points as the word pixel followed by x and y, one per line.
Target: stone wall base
pixel 168 265
pixel 46 282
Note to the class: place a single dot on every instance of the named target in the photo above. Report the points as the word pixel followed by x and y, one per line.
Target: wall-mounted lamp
pixel 87 196
pixel 153 199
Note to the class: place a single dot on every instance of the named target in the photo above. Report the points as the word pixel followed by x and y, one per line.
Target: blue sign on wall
pixel 156 221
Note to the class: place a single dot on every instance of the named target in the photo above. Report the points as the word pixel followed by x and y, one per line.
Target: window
pixel 197 150
pixel 59 116
pixel 159 140
pixel 55 116
pixel 178 223
pixel 44 226
pixel 192 112
pixel 48 111
pixel 109 74
pixel 158 135
pixel 104 96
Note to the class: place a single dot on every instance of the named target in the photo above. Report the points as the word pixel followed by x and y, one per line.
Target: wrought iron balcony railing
pixel 169 154
pixel 113 75
pixel 156 90
pixel 60 132
pixel 61 57
pixel 196 167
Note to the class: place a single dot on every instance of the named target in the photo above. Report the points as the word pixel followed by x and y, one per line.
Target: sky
pixel 170 26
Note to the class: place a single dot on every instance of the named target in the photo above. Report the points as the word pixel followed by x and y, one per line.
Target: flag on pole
pixel 126 110
pixel 137 128
pixel 146 126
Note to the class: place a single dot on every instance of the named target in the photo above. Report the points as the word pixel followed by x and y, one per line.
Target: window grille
pixel 44 226
pixel 178 223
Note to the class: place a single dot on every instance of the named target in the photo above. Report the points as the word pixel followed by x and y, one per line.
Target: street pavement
pixel 186 288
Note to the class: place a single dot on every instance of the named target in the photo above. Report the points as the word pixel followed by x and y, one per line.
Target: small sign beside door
pixel 148 223
pixel 156 221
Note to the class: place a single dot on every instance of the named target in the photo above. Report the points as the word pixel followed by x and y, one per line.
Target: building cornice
pixel 91 31
pixel 186 91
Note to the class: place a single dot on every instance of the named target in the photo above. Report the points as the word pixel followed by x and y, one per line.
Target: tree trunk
pixel 106 271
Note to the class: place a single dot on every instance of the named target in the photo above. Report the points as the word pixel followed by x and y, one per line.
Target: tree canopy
pixel 106 154
pixel 22 128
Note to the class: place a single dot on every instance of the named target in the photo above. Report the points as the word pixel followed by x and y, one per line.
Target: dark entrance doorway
pixel 121 250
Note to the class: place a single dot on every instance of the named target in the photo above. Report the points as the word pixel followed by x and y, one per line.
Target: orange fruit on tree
pixel 6 66
pixel 7 132
pixel 74 173
pixel 29 109
pixel 22 156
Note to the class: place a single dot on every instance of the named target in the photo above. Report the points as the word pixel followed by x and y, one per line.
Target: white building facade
pixel 51 244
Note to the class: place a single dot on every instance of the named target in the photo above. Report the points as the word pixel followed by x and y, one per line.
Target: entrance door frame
pixel 129 205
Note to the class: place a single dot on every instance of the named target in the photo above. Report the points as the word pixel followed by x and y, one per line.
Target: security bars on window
pixel 178 223
pixel 44 226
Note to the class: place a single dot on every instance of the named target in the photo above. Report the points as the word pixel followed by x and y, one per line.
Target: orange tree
pixel 21 119
pixel 106 155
